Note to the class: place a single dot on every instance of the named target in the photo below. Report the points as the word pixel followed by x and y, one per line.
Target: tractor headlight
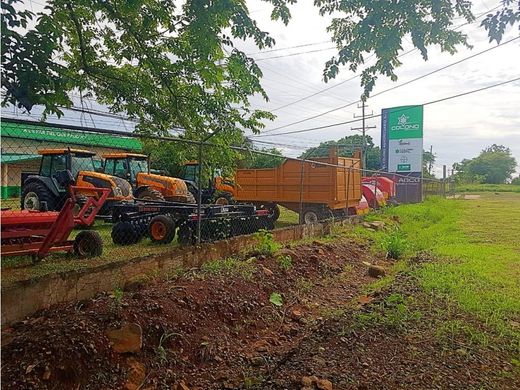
pixel 118 192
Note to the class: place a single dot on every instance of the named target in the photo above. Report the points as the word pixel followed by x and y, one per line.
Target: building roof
pixel 14 158
pixel 66 134
pixel 125 155
pixel 66 150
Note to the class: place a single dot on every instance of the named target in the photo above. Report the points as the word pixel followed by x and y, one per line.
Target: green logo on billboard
pixel 403 167
pixel 405 122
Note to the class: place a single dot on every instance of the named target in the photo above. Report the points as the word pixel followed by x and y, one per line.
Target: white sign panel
pixel 405 155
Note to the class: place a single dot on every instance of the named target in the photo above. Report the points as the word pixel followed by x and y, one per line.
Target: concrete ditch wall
pixel 24 298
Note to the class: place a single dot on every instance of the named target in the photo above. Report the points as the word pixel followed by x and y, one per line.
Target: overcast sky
pixel 457 129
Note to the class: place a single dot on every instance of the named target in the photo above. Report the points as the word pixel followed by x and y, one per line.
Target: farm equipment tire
pixel 274 211
pixel 310 216
pixel 326 214
pixel 33 196
pixel 186 235
pixel 161 229
pixel 124 233
pixel 88 243
pixel 224 199
pixel 190 198
pixel 150 194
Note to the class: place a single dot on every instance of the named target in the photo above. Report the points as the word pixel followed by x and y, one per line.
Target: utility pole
pixel 363 130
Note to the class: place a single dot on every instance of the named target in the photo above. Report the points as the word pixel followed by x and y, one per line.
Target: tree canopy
pixel 346 147
pixel 494 165
pixel 174 64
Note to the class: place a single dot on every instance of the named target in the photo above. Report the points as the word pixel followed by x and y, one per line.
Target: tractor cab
pixel 219 189
pixel 61 168
pixel 126 165
pixel 146 185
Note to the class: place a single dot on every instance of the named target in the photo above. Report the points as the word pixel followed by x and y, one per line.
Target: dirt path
pixel 260 322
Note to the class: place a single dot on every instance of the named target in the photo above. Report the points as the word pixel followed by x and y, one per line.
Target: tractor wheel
pixel 88 243
pixel 124 233
pixel 224 199
pixel 190 198
pixel 150 194
pixel 35 195
pixel 161 229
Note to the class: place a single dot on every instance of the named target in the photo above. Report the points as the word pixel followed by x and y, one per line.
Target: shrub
pixel 285 262
pixel 395 244
pixel 266 244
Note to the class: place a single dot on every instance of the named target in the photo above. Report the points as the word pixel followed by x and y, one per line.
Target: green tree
pixel 253 159
pixel 428 161
pixel 494 165
pixel 346 147
pixel 170 63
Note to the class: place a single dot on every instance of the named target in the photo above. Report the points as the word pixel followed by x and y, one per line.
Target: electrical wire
pixel 392 88
pixel 378 115
pixel 359 74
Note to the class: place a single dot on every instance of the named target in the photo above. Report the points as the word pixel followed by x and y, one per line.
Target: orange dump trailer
pixel 327 190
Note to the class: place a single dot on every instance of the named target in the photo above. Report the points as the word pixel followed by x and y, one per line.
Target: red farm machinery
pixel 38 233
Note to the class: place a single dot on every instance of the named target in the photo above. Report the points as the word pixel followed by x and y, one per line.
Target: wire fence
pixel 95 193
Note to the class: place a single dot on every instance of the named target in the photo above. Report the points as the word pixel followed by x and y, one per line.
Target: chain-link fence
pixel 112 195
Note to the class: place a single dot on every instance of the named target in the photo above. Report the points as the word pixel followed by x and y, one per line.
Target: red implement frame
pixel 39 232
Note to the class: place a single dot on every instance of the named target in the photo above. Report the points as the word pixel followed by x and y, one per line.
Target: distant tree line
pixel 494 165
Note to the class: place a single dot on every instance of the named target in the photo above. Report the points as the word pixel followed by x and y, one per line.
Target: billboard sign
pixel 402 141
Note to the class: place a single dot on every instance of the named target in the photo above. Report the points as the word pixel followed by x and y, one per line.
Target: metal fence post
pixel 444 181
pixel 302 171
pixel 199 196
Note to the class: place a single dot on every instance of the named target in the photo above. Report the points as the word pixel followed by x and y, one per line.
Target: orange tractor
pixel 136 169
pixel 220 190
pixel 60 168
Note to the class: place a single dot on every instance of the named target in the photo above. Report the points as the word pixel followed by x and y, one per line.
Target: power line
pixel 295 54
pixel 359 74
pixel 392 88
pixel 288 47
pixel 378 115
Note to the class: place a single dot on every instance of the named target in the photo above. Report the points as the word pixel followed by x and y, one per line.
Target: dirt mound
pixel 214 328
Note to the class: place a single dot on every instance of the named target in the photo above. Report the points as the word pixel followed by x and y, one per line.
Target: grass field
pixel 487 188
pixel 477 246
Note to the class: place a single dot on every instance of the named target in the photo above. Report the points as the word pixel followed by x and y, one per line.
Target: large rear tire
pixel 88 243
pixel 124 233
pixel 190 198
pixel 150 194
pixel 224 198
pixel 35 195
pixel 161 229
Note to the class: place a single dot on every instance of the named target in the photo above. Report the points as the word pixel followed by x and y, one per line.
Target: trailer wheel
pixel 88 243
pixel 124 233
pixel 161 229
pixel 310 216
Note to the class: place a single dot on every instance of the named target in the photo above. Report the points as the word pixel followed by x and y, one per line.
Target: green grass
pixel 21 267
pixel 478 243
pixel 487 188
